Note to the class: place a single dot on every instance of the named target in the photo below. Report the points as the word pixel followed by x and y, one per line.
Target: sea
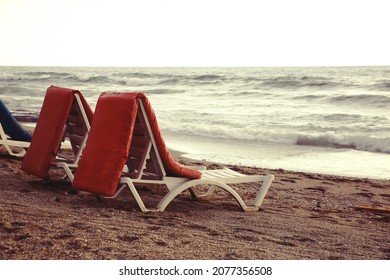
pixel 328 120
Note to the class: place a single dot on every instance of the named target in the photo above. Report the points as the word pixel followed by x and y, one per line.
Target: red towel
pixel 48 131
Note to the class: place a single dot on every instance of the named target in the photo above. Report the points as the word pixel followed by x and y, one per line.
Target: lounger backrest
pixel 143 158
pixel 50 129
pixel 172 168
pixel 11 127
pixel 76 126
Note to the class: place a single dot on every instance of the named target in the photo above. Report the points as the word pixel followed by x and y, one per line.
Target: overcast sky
pixel 194 32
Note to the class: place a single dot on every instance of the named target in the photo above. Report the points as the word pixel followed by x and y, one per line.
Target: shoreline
pixel 304 216
pixel 181 157
pixel 298 158
pixel 310 159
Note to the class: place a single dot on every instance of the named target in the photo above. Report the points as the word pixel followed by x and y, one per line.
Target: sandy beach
pixel 304 216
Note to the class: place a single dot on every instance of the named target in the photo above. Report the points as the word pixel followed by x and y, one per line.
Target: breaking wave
pixel 361 143
pixel 364 99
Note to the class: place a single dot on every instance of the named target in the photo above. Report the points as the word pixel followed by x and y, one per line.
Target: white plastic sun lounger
pixel 8 143
pixel 125 149
pixel 222 178
pixel 65 114
pixel 12 134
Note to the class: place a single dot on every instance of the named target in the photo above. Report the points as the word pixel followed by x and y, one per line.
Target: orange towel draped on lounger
pixel 109 142
pixel 49 129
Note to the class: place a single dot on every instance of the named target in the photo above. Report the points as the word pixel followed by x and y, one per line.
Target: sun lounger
pixel 65 115
pixel 125 149
pixel 12 134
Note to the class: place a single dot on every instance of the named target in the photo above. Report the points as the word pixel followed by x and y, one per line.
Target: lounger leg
pixel 174 192
pixel 67 168
pixel 20 154
pixel 265 185
pixel 267 181
pixel 129 183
